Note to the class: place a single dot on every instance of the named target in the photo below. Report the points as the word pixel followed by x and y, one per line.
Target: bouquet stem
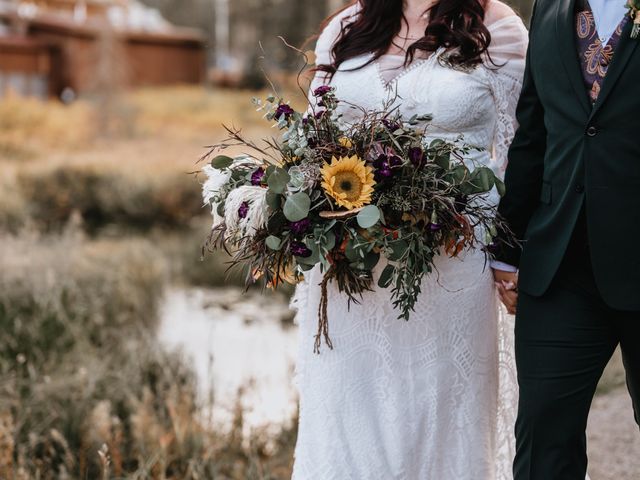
pixel 323 318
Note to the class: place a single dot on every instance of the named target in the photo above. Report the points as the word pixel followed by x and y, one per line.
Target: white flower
pixel 216 181
pixel 256 215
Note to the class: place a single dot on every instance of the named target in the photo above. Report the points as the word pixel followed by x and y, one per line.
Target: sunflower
pixel 349 181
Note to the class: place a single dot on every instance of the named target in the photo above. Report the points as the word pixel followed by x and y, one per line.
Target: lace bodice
pixel 478 103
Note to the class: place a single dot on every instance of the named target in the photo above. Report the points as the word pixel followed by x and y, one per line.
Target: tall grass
pixel 85 389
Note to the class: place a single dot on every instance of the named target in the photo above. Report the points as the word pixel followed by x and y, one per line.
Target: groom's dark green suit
pixel 573 196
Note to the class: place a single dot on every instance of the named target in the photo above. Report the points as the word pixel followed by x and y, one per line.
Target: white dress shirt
pixel 607 15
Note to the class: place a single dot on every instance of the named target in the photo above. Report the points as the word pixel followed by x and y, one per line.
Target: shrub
pixel 104 196
pixel 58 292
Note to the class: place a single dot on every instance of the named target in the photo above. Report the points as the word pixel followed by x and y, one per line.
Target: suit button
pixel 592 131
pixel 579 188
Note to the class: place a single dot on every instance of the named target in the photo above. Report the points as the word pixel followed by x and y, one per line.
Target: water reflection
pixel 235 340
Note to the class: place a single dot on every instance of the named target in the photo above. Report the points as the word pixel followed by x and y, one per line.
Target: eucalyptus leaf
pixel 398 250
pixel 297 206
pixel 371 260
pixel 278 180
pixel 351 251
pixel 330 225
pixel 443 159
pixel 386 277
pixel 221 162
pixel 329 241
pixel 368 216
pixel 483 178
pixel 297 177
pixel 273 242
pixel 274 201
pixel 315 253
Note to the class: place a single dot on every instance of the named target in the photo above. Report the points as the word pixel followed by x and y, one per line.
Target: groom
pixel 573 196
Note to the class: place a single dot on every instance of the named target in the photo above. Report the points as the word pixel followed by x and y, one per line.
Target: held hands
pixel 507 286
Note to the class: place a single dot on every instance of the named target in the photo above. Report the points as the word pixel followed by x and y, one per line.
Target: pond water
pixel 236 340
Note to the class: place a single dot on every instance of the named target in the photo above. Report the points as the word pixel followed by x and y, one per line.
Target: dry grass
pixel 85 389
pixel 29 127
pixel 55 161
pixel 86 392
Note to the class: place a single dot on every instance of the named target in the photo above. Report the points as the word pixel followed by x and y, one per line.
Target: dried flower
pixel 246 210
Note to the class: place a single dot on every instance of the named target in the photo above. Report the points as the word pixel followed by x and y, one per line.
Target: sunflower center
pixel 349 184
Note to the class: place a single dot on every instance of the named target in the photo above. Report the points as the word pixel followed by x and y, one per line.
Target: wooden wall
pixel 87 59
pixel 26 67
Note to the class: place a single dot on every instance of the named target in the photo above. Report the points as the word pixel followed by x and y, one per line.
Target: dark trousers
pixel 564 340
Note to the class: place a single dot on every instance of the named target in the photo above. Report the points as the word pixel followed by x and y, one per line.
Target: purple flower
pixel 417 157
pixel 256 177
pixel 384 164
pixel 392 126
pixel 322 90
pixel 435 227
pixel 301 227
pixel 319 114
pixel 285 111
pixel 299 249
pixel 243 211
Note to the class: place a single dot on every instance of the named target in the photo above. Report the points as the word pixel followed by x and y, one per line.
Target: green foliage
pixel 368 216
pixel 221 162
pixel 297 206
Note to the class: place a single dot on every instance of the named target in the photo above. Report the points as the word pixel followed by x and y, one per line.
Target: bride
pixel 432 398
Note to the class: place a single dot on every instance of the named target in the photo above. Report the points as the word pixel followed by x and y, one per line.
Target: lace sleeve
pixel 508 53
pixel 325 43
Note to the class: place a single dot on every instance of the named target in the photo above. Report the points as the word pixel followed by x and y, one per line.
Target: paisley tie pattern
pixel 595 57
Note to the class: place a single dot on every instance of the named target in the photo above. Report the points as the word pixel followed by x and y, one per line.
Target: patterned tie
pixel 595 57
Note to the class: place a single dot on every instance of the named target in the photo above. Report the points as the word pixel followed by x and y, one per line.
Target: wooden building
pixel 79 46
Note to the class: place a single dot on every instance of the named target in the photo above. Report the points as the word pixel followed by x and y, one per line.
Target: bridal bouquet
pixel 346 197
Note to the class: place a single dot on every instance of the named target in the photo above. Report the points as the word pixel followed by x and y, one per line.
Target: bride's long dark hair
pixel 454 24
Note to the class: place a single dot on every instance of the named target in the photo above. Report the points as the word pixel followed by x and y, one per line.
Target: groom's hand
pixel 507 286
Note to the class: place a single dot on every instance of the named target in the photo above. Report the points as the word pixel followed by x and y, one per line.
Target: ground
pixel 614 437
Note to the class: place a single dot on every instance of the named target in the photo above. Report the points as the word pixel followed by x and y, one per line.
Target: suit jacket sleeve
pixel 524 173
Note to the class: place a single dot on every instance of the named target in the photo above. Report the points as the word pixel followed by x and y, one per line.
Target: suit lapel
pixel 566 31
pixel 621 57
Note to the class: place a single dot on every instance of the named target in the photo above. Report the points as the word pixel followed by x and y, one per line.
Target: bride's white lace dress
pixel 433 398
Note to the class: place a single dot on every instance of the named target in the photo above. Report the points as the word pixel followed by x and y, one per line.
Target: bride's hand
pixel 507 286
